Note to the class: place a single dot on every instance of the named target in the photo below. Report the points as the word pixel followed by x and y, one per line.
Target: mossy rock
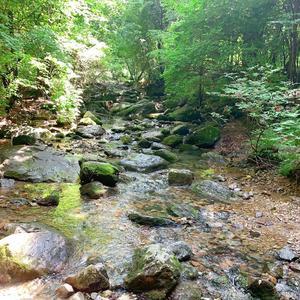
pixel 24 139
pixel 97 171
pixel 93 190
pixel 180 177
pixel 64 121
pixel 173 140
pixel 126 139
pixel 86 122
pixel 205 137
pixel 185 114
pixel 91 116
pixel 167 155
pixel 150 220
pixel 181 129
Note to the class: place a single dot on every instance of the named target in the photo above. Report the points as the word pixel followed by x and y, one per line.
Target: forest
pixel 150 149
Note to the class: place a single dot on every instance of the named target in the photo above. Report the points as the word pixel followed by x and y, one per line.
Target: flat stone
pixel 144 163
pixel 7 183
pixel 287 254
pixel 90 131
pixel 180 177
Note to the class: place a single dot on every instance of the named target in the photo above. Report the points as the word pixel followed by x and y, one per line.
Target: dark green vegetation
pixel 201 61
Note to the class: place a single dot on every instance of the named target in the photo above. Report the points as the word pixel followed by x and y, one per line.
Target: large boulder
pixel 180 177
pixel 153 268
pixel 28 255
pixel 93 278
pixel 99 171
pixel 205 137
pixel 39 164
pixel 144 163
pixel 212 191
pixel 90 131
pixel 91 116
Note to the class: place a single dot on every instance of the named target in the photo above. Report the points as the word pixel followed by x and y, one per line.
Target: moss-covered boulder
pixel 184 114
pixel 144 143
pixel 91 116
pixel 181 129
pixel 173 140
pixel 205 137
pixel 153 269
pixel 24 139
pixel 180 177
pixel 167 155
pixel 93 190
pixel 97 171
pixel 86 122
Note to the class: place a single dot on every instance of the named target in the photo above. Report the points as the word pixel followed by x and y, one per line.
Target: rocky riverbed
pixel 121 209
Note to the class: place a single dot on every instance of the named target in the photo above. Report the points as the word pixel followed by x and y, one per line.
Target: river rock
pixel 90 131
pixel 99 171
pixel 180 177
pixel 23 139
pixel 27 255
pixel 287 254
pixel 93 190
pixel 6 183
pixel 263 289
pixel 86 122
pixel 206 136
pixel 181 250
pixel 93 278
pixel 50 200
pixel 212 191
pixel 78 296
pixel 181 129
pixel 149 220
pixel 167 155
pixel 153 268
pixel 158 146
pixel 187 290
pixel 90 115
pixel 39 164
pixel 173 140
pixel 213 158
pixel 144 163
pixel 64 291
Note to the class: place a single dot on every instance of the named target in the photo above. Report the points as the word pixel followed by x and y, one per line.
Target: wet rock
pixel 97 171
pixel 212 191
pixel 143 143
pixel 205 137
pixel 181 250
pixel 118 129
pixel 6 183
pixel 25 255
pixel 144 163
pixel 235 294
pixel 263 288
pixel 77 296
pixel 167 155
pixel 158 146
pixel 24 139
pixel 182 211
pixel 64 291
pixel 149 220
pixel 187 290
pixel 287 254
pixel 20 202
pixel 180 129
pixel 213 158
pixel 39 164
pixel 86 122
pixel 50 200
pixel 180 177
pixel 153 268
pixel 173 140
pixel 90 115
pixel 154 135
pixel 93 190
pixel 93 278
pixel 90 131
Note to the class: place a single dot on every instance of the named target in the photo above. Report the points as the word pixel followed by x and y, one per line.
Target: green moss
pixel 206 136
pixel 167 155
pixel 184 114
pixel 173 140
pixel 91 116
pixel 87 121
pixel 126 139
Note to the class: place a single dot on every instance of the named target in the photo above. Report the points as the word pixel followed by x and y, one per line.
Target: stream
pixel 230 241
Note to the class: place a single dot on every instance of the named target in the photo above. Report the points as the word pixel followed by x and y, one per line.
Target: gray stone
pixel 39 164
pixel 212 191
pixel 90 131
pixel 287 254
pixel 93 190
pixel 181 250
pixel 93 278
pixel 153 268
pixel 77 296
pixel 158 146
pixel 6 183
pixel 180 177
pixel 144 163
pixel 187 290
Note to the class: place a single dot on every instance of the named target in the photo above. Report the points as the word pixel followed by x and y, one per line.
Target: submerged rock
pixel 93 190
pixel 39 164
pixel 144 163
pixel 90 131
pixel 180 177
pixel 167 155
pixel 25 255
pixel 149 220
pixel 153 268
pixel 98 171
pixel 213 158
pixel 212 191
pixel 187 290
pixel 93 278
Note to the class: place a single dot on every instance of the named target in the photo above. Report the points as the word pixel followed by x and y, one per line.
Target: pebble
pixel 64 291
pixel 259 214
